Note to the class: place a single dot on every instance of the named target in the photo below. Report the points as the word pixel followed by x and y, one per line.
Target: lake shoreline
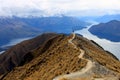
pixel 108 45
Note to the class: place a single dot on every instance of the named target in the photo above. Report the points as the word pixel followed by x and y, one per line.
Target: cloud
pixel 56 7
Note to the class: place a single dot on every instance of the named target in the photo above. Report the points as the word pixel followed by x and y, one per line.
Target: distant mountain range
pixel 16 27
pixel 109 30
pixel 105 18
pixel 62 24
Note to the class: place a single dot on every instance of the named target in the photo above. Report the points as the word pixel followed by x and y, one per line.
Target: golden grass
pixel 61 58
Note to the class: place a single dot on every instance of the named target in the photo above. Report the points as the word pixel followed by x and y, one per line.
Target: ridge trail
pixel 80 73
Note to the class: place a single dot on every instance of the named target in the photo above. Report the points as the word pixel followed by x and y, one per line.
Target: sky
pixel 57 7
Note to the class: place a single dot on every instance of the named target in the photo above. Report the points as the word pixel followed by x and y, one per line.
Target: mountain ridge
pixel 56 56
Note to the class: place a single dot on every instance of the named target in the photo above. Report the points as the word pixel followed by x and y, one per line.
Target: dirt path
pixel 70 41
pixel 88 66
pixel 83 72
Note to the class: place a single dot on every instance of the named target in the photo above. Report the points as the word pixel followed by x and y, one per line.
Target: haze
pixel 26 8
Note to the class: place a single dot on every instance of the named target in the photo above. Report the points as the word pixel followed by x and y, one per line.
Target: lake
pixel 14 42
pixel 113 47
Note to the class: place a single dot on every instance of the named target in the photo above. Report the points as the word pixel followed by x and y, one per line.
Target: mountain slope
pixel 16 53
pixel 57 55
pixel 62 24
pixel 16 27
pixel 12 29
pixel 110 30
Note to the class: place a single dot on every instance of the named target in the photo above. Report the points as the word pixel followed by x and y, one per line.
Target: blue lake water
pixel 14 42
pixel 113 47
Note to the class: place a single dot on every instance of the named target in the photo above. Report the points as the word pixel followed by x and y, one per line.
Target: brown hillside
pixel 53 56
pixel 16 55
